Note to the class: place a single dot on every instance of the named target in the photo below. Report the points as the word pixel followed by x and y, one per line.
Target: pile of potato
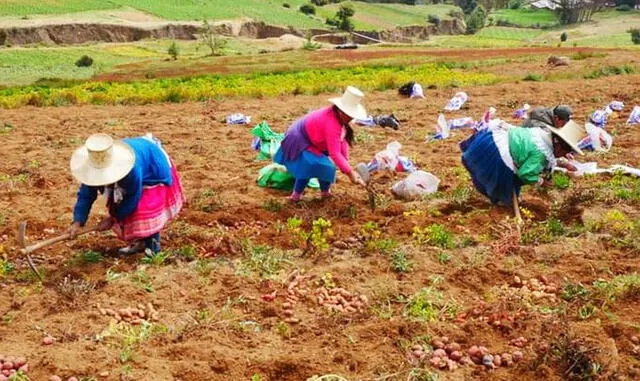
pixel 449 355
pixel 297 289
pixel 10 365
pixel 134 316
pixel 340 300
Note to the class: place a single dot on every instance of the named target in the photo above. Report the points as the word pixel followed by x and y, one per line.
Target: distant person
pixel 501 161
pixel 315 144
pixel 139 181
pixel 548 117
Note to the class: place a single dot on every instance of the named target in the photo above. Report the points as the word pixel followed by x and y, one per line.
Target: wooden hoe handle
pixel 60 238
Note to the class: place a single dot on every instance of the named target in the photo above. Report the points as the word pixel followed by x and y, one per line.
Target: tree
pixel 578 11
pixel 342 20
pixel 476 19
pixel 173 51
pixel 211 39
pixel 308 9
pixel 563 37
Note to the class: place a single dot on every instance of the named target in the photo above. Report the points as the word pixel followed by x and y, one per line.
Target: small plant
pixel 141 278
pixel 73 288
pixel 262 260
pixel 112 276
pixel 533 78
pixel 6 267
pixel 208 201
pixel 283 329
pixel 173 51
pixel 429 305
pixel 399 262
pixel 84 61
pixel 563 37
pixel 320 231
pixel 573 291
pixel 586 311
pixel 188 253
pixel 433 19
pixel 435 234
pixel 561 181
pixel 443 257
pixel 6 128
pixel 88 257
pixel 156 259
pixel 272 205
pixel 460 195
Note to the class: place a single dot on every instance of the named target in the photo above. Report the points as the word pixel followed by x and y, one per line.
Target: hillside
pixel 368 16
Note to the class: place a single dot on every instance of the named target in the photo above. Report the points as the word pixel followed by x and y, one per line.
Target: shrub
pixel 84 61
pixel 623 8
pixel 286 5
pixel 533 78
pixel 173 51
pixel 456 14
pixel 563 36
pixel 433 19
pixel 516 4
pixel 635 36
pixel 308 9
pixel 476 19
pixel 320 2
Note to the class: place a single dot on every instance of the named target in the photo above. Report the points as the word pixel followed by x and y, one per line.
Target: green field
pixel 526 17
pixel 368 16
pixel 386 16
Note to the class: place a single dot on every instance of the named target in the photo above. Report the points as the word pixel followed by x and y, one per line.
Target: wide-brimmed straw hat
pixel 102 161
pixel 351 103
pixel 571 133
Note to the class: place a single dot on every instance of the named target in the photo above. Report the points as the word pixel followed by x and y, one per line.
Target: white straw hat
pixel 102 161
pixel 571 133
pixel 351 103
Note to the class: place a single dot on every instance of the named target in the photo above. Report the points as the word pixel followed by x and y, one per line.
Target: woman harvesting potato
pixel 501 161
pixel 314 145
pixel 140 184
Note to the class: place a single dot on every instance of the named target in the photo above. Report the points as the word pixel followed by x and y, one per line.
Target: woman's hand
pixel 356 179
pixel 73 229
pixel 105 224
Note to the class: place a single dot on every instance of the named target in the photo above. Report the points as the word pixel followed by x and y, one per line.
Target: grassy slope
pixel 371 16
pixel 368 16
pixel 526 17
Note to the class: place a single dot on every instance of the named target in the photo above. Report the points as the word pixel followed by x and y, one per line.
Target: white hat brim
pixel 122 161
pixel 561 134
pixel 356 112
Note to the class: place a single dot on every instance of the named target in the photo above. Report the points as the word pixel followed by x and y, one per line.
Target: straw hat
pixel 571 133
pixel 102 161
pixel 351 103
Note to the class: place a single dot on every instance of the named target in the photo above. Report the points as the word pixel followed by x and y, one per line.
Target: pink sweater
pixel 327 134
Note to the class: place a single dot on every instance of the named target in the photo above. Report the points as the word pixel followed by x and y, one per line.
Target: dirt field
pixel 213 323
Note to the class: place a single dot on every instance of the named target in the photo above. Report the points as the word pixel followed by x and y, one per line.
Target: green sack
pixel 276 176
pixel 269 140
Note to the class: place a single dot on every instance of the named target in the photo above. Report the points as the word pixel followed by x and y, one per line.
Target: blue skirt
pixel 308 166
pixel 489 173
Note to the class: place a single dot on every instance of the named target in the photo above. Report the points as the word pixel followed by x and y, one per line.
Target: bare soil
pixel 226 207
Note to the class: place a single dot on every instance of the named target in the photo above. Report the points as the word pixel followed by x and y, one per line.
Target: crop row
pixel 314 81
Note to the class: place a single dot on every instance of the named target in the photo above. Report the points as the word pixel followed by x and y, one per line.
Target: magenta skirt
pixel 158 205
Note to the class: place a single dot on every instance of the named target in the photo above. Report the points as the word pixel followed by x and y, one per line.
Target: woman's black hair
pixel 350 136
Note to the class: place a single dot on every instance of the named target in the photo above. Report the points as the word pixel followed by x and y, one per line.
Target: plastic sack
pixel 597 140
pixel 266 141
pixel 634 118
pixel 418 183
pixel 616 106
pixel 238 119
pixel 521 113
pixel 601 117
pixel 276 176
pixel 416 91
pixel 388 158
pixel 442 129
pixel 457 101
